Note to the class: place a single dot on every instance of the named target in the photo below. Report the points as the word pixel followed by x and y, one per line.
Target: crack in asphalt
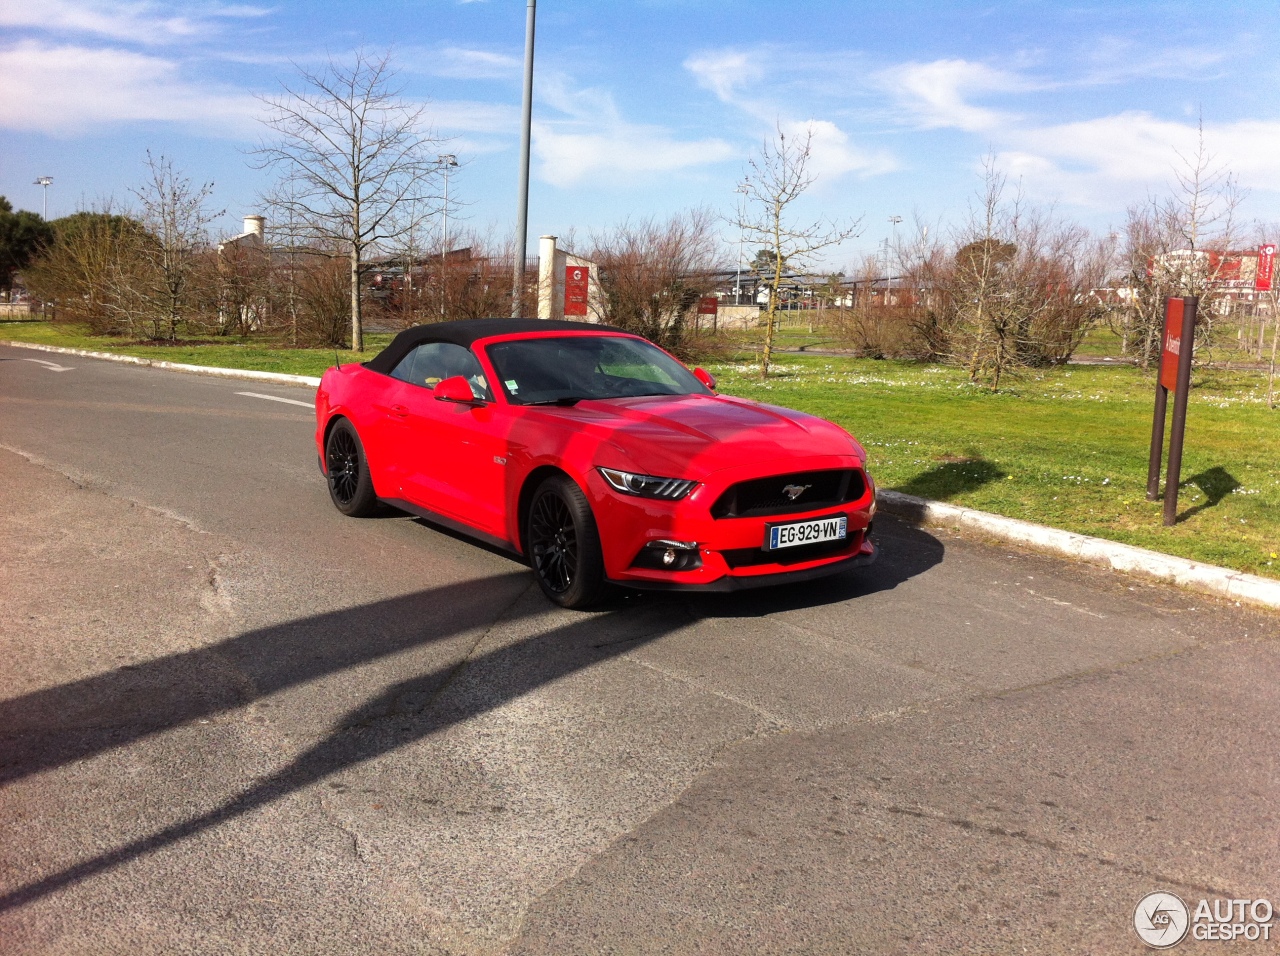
pixel 1046 843
pixel 99 485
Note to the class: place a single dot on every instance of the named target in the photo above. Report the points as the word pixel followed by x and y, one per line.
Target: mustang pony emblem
pixel 795 491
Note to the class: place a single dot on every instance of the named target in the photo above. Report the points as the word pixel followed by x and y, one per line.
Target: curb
pixel 1236 585
pixel 242 373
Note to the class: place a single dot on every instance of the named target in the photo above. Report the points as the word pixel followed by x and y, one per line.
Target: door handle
pixel 399 411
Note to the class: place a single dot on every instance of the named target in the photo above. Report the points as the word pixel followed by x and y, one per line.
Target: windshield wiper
pixel 566 402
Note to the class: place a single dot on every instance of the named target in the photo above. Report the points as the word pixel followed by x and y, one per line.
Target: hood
pixel 695 435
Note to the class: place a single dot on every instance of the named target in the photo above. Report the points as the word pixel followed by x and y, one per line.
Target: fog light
pixel 668 555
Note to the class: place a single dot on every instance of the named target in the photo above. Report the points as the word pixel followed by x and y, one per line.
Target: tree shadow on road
pixel 50 728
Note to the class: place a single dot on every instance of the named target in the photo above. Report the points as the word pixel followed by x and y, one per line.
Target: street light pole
pixel 888 269
pixel 446 161
pixel 522 214
pixel 737 282
pixel 46 182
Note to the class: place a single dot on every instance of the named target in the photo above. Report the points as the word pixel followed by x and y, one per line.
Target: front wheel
pixel 564 544
pixel 350 485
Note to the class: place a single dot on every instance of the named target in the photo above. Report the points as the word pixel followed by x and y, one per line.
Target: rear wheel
pixel 564 544
pixel 350 486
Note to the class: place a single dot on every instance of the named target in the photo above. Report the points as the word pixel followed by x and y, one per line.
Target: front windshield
pixel 545 371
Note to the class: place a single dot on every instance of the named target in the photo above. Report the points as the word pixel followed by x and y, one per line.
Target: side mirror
pixel 456 389
pixel 705 377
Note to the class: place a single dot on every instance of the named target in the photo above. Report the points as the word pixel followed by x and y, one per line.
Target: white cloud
pixel 936 94
pixel 593 141
pixel 135 22
pixel 474 117
pixel 832 154
pixel 67 89
pixel 567 158
pixel 459 63
pixel 1102 161
pixel 724 72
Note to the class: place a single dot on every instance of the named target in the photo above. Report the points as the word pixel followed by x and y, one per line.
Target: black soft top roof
pixel 467 331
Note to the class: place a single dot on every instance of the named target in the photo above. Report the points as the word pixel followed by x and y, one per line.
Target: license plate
pixel 797 533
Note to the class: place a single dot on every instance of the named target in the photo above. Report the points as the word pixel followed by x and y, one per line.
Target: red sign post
pixel 708 305
pixel 1266 267
pixel 1175 376
pixel 576 281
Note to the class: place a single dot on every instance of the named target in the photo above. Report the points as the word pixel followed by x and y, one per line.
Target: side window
pixel 432 363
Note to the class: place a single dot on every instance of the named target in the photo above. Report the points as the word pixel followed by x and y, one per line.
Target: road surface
pixel 234 721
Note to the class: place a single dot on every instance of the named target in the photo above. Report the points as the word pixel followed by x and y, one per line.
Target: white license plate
pixel 797 533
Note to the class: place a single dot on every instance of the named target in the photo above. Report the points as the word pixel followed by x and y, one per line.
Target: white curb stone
pixel 278 377
pixel 1236 585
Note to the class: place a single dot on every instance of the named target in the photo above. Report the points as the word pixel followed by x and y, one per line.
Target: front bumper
pixel 731 549
pixel 865 555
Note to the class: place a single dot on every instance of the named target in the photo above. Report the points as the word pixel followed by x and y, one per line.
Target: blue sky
pixel 647 107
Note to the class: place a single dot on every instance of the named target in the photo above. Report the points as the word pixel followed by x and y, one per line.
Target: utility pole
pixel 447 161
pixel 888 268
pixel 522 215
pixel 46 182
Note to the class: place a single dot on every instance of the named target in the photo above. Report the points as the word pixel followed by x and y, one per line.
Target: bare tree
pixel 1019 292
pixel 777 177
pixel 1179 245
pixel 353 151
pixel 652 273
pixel 176 215
pixel 87 275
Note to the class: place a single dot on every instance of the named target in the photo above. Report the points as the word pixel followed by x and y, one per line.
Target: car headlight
pixel 647 486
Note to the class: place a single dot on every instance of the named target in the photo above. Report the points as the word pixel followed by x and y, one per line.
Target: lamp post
pixel 46 182
pixel 888 270
pixel 737 282
pixel 522 209
pixel 447 161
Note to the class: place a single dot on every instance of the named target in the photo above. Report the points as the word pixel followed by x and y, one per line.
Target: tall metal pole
pixel 888 266
pixel 446 161
pixel 44 181
pixel 522 216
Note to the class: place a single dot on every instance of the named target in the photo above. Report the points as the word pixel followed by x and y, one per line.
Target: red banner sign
pixel 1266 262
pixel 708 305
pixel 576 280
pixel 1173 344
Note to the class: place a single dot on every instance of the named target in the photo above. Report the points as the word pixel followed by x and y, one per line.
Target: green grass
pixel 1066 447
pixel 218 352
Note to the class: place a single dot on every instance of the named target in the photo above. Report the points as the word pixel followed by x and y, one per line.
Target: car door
pixel 456 461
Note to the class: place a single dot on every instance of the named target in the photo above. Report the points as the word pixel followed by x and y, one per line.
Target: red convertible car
pixel 596 456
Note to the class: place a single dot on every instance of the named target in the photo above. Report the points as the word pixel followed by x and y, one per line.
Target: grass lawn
pixel 1066 448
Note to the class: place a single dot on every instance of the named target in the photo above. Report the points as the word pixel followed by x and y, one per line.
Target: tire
pixel 564 544
pixel 350 485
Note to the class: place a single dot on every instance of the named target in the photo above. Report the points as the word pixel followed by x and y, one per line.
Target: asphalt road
pixel 234 721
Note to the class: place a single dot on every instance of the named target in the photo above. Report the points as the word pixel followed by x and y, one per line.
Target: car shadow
pixel 54 727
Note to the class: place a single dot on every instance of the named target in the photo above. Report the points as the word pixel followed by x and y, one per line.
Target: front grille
pixel 749 557
pixel 764 496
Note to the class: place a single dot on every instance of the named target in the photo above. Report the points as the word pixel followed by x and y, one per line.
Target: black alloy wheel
pixel 564 544
pixel 350 486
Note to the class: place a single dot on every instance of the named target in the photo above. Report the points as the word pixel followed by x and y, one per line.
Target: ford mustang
pixel 595 456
